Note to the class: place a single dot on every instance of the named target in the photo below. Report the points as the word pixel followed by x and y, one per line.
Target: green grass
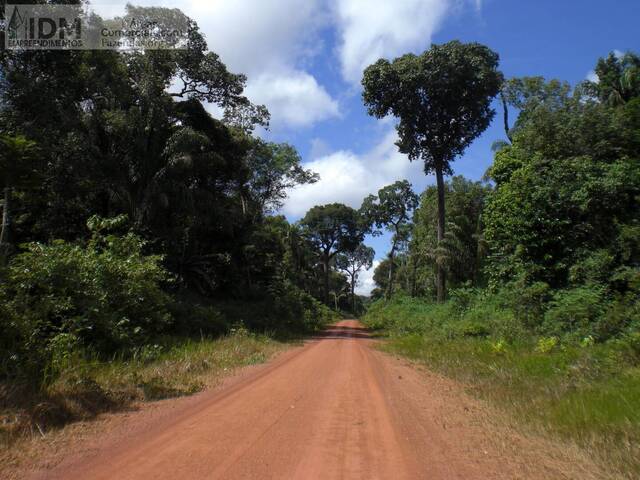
pixel 589 395
pixel 85 388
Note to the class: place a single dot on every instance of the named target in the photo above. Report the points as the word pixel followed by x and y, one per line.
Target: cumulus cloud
pixel 371 29
pixel 365 280
pixel 347 177
pixel 293 98
pixel 270 41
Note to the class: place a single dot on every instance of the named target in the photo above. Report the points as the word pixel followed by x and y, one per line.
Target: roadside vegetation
pixel 542 260
pixel 83 386
pixel 140 235
pixel 584 391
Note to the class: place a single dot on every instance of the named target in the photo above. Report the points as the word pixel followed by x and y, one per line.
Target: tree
pixel 526 93
pixel 566 194
pixel 618 79
pixel 392 210
pixel 274 168
pixel 332 229
pixel 442 99
pixel 352 264
pixel 462 251
pixel 16 155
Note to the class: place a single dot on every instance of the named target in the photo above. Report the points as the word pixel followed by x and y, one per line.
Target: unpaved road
pixel 334 409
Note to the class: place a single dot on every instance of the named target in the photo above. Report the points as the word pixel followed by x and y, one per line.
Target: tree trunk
pixel 6 225
pixel 414 274
pixel 325 267
pixel 353 293
pixel 391 264
pixel 505 116
pixel 440 278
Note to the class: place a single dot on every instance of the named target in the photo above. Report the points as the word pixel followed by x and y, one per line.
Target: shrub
pixel 103 297
pixel 575 311
pixel 294 310
pixel 546 344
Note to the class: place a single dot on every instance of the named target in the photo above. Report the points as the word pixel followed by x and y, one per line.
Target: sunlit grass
pixel 590 395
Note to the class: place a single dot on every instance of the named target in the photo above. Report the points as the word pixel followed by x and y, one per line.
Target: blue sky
pixel 304 60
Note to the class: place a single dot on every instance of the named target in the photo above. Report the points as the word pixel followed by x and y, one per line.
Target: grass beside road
pixel 87 388
pixel 587 394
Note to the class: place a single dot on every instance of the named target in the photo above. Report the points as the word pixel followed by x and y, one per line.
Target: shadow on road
pixel 339 332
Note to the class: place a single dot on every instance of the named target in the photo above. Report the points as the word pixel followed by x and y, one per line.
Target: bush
pixel 105 297
pixel 294 310
pixel 575 311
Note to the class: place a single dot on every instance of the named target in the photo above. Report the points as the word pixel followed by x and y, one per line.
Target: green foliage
pixel 104 297
pixel 441 97
pixel 352 264
pixel 546 344
pixel 575 311
pixel 331 229
pixel 463 249
pixel 391 209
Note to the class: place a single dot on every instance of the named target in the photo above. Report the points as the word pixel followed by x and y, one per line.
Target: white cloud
pixel 294 98
pixel 372 29
pixel 347 178
pixel 269 41
pixel 365 280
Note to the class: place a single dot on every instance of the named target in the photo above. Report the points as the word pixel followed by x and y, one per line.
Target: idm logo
pixel 42 26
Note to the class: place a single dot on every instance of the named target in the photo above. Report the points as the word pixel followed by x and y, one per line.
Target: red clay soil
pixel 335 408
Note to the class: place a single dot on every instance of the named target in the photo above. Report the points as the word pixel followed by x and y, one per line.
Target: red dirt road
pixel 333 409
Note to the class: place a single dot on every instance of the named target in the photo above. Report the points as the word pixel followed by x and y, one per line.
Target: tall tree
pixel 391 209
pixel 442 99
pixel 332 229
pixel 352 264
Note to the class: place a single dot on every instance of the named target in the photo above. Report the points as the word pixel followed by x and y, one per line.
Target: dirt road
pixel 335 408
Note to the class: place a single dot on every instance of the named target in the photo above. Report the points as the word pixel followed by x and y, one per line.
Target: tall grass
pixel 583 391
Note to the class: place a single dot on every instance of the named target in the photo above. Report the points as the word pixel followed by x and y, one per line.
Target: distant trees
pixel 391 209
pixel 463 250
pixel 553 238
pixel 442 99
pixel 332 229
pixel 352 263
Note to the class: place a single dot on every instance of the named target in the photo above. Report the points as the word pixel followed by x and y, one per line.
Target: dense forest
pixel 551 234
pixel 130 213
